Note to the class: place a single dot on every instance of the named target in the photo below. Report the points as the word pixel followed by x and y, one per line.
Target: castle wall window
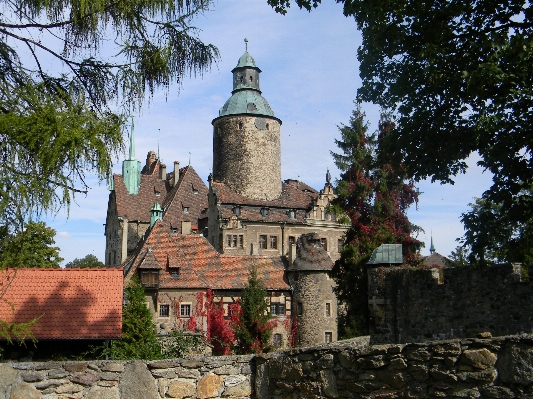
pixel 185 310
pixel 328 309
pixel 277 341
pixel 340 244
pixel 237 211
pixel 324 243
pixel 240 125
pixel 185 209
pixel 262 241
pixel 299 309
pixel 264 212
pixel 164 310
pixel 273 242
pixel 328 337
pixel 277 309
pixel 292 240
pixel 234 240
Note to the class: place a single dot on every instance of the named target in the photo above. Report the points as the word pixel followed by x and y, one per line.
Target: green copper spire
pixel 432 247
pixel 246 95
pixel 156 213
pixel 131 168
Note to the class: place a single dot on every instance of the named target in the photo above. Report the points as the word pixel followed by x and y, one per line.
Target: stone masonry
pixel 416 305
pixel 246 158
pixel 466 368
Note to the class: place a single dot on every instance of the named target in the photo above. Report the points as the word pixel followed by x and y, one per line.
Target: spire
pixel 328 177
pixel 432 247
pixel 132 141
pixel 246 44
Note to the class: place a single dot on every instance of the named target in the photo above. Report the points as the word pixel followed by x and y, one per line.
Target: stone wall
pixel 417 305
pixel 468 368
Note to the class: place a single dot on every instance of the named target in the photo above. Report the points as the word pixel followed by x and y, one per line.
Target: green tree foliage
pixel 492 237
pixel 31 247
pixel 253 324
pixel 459 256
pixel 139 339
pixel 458 76
pixel 56 127
pixel 374 197
pixel 89 261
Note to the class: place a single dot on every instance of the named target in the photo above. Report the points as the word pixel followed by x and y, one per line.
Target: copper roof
pixel 69 303
pixel 294 194
pixel 191 262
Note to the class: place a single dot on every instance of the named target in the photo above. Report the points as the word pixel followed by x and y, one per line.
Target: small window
pixel 157 194
pixel 234 241
pixel 228 240
pixel 328 337
pixel 241 78
pixel 185 310
pixel 299 309
pixel 194 191
pixel 277 341
pixel 240 125
pixel 241 241
pixel 292 240
pixel 277 309
pixel 237 211
pixel 264 212
pixel 273 242
pixel 328 309
pixel 251 79
pixel 175 273
pixel 174 230
pixel 262 241
pixel 292 214
pixel 267 126
pixel 324 243
pixel 185 209
pixel 340 244
pixel 164 310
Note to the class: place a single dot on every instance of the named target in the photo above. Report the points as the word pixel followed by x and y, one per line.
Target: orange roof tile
pixel 201 266
pixel 70 303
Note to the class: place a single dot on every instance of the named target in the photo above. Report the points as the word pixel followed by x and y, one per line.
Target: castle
pixel 183 238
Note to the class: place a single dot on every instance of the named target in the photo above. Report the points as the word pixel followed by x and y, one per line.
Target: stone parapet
pixel 488 367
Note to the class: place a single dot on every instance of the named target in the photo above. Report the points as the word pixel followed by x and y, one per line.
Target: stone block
pixel 243 388
pixel 114 367
pixel 210 386
pixel 99 392
pixel 496 392
pixel 328 384
pixel 24 391
pixel 87 379
pixel 478 358
pixel 75 367
pixel 137 382
pixel 32 376
pixel 57 373
pixel 181 389
pixel 515 364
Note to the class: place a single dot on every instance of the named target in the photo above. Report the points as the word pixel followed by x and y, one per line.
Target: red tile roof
pixel 70 303
pixel 200 265
pixel 190 192
pixel 294 195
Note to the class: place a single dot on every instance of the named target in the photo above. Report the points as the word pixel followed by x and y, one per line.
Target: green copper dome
pixel 246 102
pixel 246 61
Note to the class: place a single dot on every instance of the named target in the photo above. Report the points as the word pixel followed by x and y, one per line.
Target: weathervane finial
pixel 246 43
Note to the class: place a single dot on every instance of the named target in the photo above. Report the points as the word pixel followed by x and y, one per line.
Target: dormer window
pixel 175 273
pixel 291 213
pixel 157 194
pixel 194 190
pixel 237 211
pixel 185 209
pixel 265 212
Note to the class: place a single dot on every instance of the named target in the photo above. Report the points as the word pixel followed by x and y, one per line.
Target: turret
pixel 246 137
pixel 131 168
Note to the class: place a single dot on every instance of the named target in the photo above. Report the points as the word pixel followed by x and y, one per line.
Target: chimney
pixel 163 172
pixel 292 253
pixel 176 173
pixel 150 158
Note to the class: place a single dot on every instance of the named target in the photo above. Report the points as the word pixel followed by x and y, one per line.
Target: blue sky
pixel 310 78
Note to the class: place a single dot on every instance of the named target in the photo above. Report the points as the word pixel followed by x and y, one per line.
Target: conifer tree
pixel 253 326
pixel 139 339
pixel 374 198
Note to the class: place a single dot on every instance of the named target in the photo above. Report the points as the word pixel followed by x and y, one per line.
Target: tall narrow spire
pixel 246 43
pixel 132 141
pixel 432 247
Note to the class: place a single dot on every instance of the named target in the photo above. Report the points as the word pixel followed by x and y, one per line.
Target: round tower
pixel 246 138
pixel 313 302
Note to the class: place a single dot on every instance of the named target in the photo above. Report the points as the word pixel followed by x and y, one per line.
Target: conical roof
pixel 246 61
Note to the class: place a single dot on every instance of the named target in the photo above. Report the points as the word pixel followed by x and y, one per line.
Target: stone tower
pixel 246 138
pixel 313 302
